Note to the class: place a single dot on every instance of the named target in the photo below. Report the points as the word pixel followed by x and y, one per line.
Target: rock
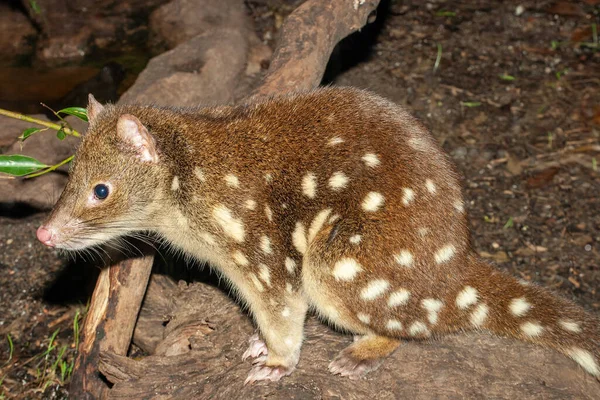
pixel 193 71
pixel 16 34
pixel 181 20
pixel 70 29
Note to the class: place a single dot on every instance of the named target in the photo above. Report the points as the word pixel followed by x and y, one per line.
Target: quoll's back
pixel 333 199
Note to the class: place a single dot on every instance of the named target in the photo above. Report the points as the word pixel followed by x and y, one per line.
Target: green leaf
pixel 78 112
pixel 28 132
pixel 444 13
pixel 34 6
pixel 506 77
pixel 471 103
pixel 509 223
pixel 61 135
pixel 19 165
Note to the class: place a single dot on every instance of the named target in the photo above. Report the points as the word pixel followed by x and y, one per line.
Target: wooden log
pixel 307 39
pixel 109 323
pixel 473 366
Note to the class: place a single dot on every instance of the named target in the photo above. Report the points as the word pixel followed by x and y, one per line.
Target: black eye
pixel 101 191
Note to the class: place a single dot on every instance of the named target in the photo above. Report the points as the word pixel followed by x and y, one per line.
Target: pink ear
pixel 93 109
pixel 135 135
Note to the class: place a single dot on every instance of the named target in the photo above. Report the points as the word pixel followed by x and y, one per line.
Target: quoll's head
pixel 113 183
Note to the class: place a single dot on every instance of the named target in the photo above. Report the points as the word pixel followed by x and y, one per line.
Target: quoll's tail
pixel 500 303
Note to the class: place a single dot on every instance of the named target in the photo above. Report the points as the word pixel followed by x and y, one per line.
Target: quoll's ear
pixel 134 134
pixel 93 109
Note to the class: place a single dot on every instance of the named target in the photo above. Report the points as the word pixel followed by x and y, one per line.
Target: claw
pixel 346 365
pixel 256 348
pixel 263 372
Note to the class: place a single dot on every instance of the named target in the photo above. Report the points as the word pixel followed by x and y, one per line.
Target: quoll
pixel 334 199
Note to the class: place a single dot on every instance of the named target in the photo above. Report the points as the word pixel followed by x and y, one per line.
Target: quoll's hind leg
pixel 363 356
pixel 280 321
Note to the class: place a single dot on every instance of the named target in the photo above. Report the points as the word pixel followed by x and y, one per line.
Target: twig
pixel 51 125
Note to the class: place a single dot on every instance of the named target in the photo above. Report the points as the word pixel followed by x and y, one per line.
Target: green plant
pixel 506 77
pixel 18 165
pixel 438 58
pixel 470 104
pixel 11 349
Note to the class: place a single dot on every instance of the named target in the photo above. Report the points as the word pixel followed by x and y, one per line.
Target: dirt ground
pixel 511 90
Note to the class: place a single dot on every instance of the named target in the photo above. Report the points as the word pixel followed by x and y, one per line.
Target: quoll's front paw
pixel 263 372
pixel 256 348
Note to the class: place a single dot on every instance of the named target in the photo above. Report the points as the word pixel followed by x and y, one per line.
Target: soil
pixel 510 89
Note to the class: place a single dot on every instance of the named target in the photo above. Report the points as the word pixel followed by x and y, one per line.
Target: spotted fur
pixel 334 199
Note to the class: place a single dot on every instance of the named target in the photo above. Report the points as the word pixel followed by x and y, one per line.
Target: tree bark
pixel 109 323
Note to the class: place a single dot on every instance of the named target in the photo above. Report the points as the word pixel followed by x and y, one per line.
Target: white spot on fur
pixel 286 312
pixel 467 297
pixel 265 244
pixel 175 183
pixel 364 318
pixel 289 288
pixel 423 232
pixel 519 307
pixel 346 269
pixel 335 140
pixel 569 325
pixel 479 315
pixel 299 238
pixel 199 174
pixel 208 238
pixel 290 265
pixel 333 218
pixel 585 359
pixel 374 289
pixel 398 298
pixel 371 160
pixel 317 224
pixel 418 328
pixel 355 239
pixel 240 259
pixel 309 185
pixel 264 274
pixel 430 186
pixel 433 307
pixel 232 181
pixel 444 254
pixel 182 220
pixel 419 144
pixel 338 181
pixel 408 195
pixel 394 325
pixel 404 258
pixel 459 206
pixel 232 226
pixel 268 178
pixel 531 329
pixel 269 213
pixel 372 201
pixel 250 204
pixel 256 282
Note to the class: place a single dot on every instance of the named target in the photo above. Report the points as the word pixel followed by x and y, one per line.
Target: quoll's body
pixel 333 199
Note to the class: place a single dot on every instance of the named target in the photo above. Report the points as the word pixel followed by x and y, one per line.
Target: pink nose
pixel 45 236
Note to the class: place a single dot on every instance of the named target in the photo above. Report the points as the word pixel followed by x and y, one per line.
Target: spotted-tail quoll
pixel 334 200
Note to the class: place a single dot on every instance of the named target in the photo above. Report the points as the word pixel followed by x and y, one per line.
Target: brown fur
pixel 413 240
